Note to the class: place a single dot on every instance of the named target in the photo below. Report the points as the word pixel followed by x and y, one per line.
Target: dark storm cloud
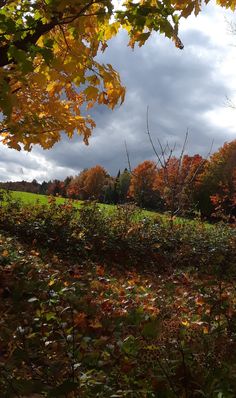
pixel 180 87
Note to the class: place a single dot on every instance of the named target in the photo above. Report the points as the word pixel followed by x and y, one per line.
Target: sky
pixel 184 90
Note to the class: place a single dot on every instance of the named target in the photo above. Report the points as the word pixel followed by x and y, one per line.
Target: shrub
pixel 123 235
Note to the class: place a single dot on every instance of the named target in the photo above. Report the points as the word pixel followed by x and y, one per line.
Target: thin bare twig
pixel 150 138
pixel 128 158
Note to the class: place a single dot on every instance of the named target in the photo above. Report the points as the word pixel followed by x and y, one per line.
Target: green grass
pixel 34 199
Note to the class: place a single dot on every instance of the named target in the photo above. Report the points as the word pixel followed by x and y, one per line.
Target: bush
pixel 124 235
pixel 90 329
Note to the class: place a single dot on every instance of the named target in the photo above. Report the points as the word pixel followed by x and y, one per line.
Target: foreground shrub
pixel 84 322
pixel 81 329
pixel 123 236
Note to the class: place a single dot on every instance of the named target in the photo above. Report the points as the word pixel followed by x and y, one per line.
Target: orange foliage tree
pixel 95 182
pixel 142 185
pixel 89 184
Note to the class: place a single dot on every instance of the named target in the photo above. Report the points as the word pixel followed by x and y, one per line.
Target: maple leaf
pixel 200 301
pixel 48 61
pixel 80 319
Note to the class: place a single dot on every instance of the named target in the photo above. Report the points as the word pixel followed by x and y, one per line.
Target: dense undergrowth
pixel 124 235
pixel 99 305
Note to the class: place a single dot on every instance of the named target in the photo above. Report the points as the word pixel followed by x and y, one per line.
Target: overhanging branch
pixel 39 30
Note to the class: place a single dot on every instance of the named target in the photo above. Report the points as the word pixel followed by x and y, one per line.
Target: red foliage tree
pixel 75 188
pixel 217 192
pixel 177 182
pixel 56 188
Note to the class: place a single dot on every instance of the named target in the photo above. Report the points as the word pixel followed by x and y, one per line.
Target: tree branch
pixel 39 30
pixel 26 42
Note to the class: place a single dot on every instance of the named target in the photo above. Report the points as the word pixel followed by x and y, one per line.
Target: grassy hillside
pixel 31 198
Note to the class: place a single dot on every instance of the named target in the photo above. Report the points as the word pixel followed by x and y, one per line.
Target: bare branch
pixel 150 139
pixel 128 158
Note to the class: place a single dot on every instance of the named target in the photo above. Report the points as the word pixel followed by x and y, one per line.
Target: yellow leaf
pixel 91 92
pixel 205 329
pixel 51 86
pixel 185 323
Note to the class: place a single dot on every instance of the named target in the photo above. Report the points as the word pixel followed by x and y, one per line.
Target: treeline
pixel 25 186
pixel 181 186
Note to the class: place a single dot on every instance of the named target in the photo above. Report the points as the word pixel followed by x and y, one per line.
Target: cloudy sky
pixel 185 89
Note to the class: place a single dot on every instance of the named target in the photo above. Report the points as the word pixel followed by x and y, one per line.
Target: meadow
pixel 34 199
pixel 27 198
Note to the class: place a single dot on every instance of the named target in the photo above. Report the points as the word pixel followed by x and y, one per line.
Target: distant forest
pixel 182 186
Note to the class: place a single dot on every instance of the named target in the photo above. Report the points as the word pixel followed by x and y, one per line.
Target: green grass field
pixel 34 199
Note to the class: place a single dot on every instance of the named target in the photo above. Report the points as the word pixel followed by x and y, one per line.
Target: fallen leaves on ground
pixel 87 329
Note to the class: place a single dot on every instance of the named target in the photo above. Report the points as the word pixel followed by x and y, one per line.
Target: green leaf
pixel 152 329
pixel 130 346
pixel 20 56
pixel 50 315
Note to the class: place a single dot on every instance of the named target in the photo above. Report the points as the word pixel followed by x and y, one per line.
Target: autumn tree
pixel 142 185
pixel 49 72
pixel 95 182
pixel 23 186
pixel 89 184
pixel 56 188
pixel 177 182
pixel 75 188
pixel 218 183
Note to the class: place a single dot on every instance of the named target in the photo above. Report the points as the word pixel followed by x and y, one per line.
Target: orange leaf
pixel 5 253
pixel 100 271
pixel 199 300
pixel 80 319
